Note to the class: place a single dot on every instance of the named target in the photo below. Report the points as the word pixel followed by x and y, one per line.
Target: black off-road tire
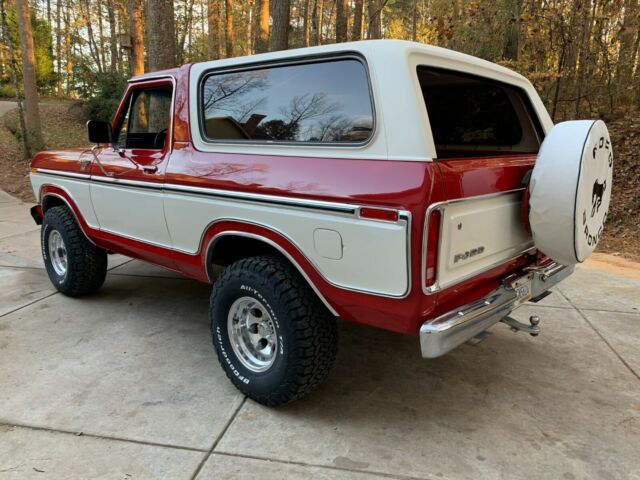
pixel 86 263
pixel 306 331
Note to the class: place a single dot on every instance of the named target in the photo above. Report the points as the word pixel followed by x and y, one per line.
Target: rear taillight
pixel 431 248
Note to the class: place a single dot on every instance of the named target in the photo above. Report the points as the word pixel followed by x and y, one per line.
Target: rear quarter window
pixel 325 102
pixel 475 116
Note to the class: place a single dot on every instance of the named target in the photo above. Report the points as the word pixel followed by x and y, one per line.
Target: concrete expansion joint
pixel 584 317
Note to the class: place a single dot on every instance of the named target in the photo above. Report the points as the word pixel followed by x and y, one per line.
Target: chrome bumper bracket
pixel 442 334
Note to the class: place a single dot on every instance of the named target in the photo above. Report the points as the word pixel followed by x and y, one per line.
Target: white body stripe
pixel 78 189
pixel 375 254
pixel 132 212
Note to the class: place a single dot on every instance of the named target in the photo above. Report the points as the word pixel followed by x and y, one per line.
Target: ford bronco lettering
pixel 398 185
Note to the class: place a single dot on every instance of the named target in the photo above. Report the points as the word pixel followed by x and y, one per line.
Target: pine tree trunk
pixel 59 47
pixel 136 26
pixel 101 36
pixel 306 23
pixel 13 68
pixel 319 16
pixel 213 19
pixel 357 20
pixel 375 19
pixel 262 37
pixel 67 50
pixel 161 32
pixel 280 32
pixel 228 31
pixel 512 40
pixel 628 35
pixel 342 19
pixel 32 114
pixel 249 15
pixel 113 41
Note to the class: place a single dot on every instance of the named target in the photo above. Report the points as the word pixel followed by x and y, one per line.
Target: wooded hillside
pixel 581 54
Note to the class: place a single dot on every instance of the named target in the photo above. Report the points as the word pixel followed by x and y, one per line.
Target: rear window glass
pixel 325 102
pixel 471 115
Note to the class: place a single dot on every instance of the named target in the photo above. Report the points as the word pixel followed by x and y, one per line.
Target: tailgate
pixel 479 233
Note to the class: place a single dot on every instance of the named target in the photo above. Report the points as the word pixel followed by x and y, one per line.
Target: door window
pixel 147 119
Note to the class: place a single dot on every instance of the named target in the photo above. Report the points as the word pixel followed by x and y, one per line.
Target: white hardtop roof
pixel 402 128
pixel 370 49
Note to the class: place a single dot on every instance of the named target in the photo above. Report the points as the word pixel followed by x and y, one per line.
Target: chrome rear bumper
pixel 444 333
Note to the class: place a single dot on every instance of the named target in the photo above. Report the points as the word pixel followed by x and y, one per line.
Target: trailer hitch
pixel 533 329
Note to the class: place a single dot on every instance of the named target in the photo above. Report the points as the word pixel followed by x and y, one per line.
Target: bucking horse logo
pixel 596 196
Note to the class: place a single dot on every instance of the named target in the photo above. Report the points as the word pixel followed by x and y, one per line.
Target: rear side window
pixel 325 102
pixel 474 116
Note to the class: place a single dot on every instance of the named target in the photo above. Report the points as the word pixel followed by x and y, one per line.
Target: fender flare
pixel 230 227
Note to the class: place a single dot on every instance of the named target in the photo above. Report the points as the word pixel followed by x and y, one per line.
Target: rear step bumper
pixel 444 333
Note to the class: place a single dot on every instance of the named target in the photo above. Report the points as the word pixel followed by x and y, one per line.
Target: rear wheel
pixel 274 339
pixel 75 266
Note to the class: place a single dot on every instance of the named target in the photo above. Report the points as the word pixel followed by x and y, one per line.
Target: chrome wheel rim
pixel 252 334
pixel 57 253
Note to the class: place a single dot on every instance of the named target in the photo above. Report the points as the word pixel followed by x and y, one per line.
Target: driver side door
pixel 126 186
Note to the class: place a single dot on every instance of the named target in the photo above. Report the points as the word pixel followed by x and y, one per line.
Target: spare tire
pixel 570 189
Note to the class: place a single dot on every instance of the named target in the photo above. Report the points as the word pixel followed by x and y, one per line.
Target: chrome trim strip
pixel 62 173
pixel 445 332
pixel 259 197
pixel 127 182
pixel 281 250
pixel 436 287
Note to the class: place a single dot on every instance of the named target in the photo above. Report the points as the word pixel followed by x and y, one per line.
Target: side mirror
pixel 99 131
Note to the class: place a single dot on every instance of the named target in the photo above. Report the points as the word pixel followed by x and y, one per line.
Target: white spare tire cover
pixel 570 189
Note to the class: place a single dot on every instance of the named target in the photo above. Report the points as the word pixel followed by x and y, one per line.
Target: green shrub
pixel 7 91
pixel 108 92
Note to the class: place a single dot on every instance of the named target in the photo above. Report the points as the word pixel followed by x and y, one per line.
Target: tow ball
pixel 533 329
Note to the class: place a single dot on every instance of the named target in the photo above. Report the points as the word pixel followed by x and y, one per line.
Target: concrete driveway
pixel 124 384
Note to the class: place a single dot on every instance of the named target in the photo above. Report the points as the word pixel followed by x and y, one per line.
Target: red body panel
pixel 410 186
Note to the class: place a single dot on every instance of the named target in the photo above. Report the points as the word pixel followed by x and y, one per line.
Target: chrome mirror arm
pixel 100 166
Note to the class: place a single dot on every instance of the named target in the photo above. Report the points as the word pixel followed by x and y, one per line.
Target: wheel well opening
pixel 232 248
pixel 50 201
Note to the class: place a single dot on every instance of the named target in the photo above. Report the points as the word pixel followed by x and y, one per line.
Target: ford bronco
pixel 389 183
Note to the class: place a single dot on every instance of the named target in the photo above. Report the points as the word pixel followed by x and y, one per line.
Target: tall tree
pixel 161 32
pixel 306 23
pixel 318 17
pixel 512 38
pixel 628 38
pixel 228 30
pixel 32 114
pixel 14 77
pixel 113 40
pixel 136 27
pixel 375 18
pixel 358 12
pixel 342 20
pixel 214 46
pixel 262 35
pixel 280 32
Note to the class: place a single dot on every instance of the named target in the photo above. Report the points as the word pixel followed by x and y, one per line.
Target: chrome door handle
pixel 150 169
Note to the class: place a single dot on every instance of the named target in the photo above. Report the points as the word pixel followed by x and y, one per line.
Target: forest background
pixel 69 61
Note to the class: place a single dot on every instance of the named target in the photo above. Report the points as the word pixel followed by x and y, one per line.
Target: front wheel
pixel 75 266
pixel 273 337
